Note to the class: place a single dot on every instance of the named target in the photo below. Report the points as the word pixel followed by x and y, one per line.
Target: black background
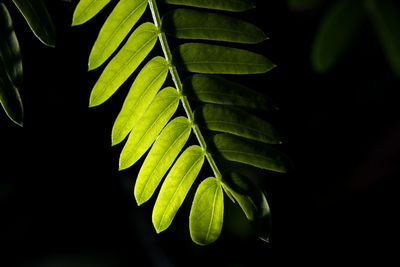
pixel 63 202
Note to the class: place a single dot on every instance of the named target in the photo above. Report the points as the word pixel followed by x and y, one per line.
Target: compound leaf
pixel 235 121
pixel 176 186
pixel 115 29
pixel 139 44
pixel 194 24
pixel 87 9
pixel 217 90
pixel 39 20
pixel 259 155
pixel 161 156
pixel 206 58
pixel 144 88
pixel 149 126
pixel 206 215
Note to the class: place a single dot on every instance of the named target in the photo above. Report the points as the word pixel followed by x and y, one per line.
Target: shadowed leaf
pixel 234 121
pixel 206 58
pixel 194 24
pixel 259 155
pixel 216 90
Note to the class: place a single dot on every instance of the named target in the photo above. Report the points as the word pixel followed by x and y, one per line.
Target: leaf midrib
pixel 159 161
pixel 138 100
pixel 118 27
pixel 176 189
pixel 127 62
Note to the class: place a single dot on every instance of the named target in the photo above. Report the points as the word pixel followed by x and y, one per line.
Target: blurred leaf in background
pixel 342 23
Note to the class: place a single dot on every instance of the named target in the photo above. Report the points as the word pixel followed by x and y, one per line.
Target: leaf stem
pixel 178 85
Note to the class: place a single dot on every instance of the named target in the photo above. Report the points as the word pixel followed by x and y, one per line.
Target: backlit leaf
pixel 259 155
pixel 87 9
pixel 237 122
pixel 176 186
pixel 206 215
pixel 117 26
pixel 124 63
pixel 149 126
pixel 10 53
pixel 337 30
pixel 386 18
pixel 39 20
pixel 216 90
pixel 144 88
pixel 194 24
pixel 227 5
pixel 206 58
pixel 161 156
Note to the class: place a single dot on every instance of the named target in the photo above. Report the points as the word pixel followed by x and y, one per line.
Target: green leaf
pixel 259 155
pixel 176 186
pixel 161 156
pixel 139 44
pixel 144 88
pixel 234 121
pixel 149 126
pixel 206 58
pixel 10 53
pixel 385 16
pixel 115 29
pixel 87 9
pixel 39 20
pixel 227 5
pixel 10 98
pixel 194 24
pixel 216 90
pixel 207 213
pixel 337 30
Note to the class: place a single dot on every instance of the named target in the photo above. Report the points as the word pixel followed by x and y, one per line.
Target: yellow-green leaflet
pixel 144 88
pixel 149 126
pixel 115 29
pixel 207 213
pixel 124 63
pixel 176 186
pixel 87 9
pixel 161 156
